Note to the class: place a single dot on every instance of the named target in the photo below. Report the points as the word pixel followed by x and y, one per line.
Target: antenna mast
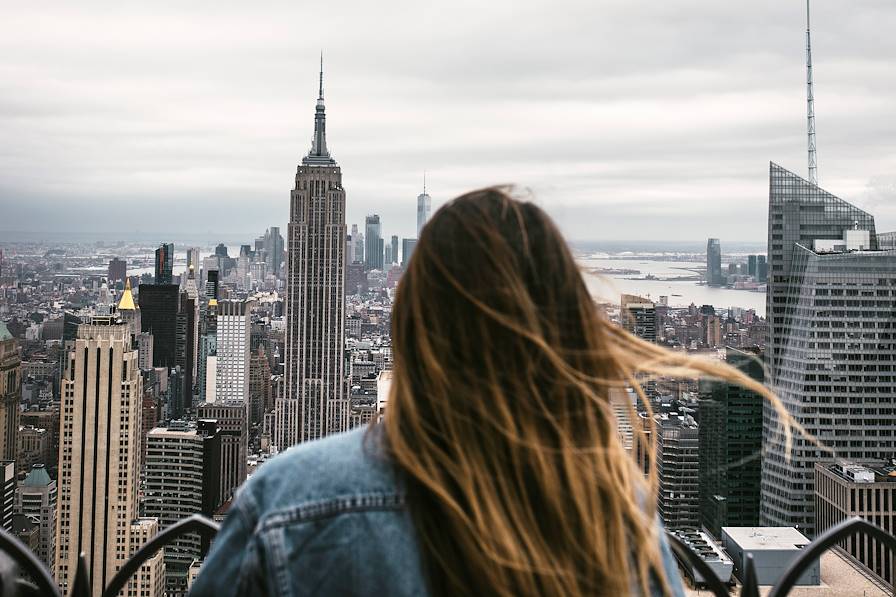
pixel 810 105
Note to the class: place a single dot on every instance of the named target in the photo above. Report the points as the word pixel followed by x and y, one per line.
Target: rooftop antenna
pixel 810 105
pixel 424 182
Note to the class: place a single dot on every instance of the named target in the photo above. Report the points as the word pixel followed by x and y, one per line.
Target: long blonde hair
pixel 500 417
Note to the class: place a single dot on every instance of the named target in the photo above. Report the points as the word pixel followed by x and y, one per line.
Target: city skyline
pixel 492 115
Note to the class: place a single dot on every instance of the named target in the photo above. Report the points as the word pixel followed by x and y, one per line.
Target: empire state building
pixel 313 404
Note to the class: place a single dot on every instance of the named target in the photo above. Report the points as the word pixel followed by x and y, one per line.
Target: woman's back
pixel 324 518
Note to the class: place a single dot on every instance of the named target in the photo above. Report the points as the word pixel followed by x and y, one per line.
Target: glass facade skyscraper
pixel 713 262
pixel 830 349
pixel 373 253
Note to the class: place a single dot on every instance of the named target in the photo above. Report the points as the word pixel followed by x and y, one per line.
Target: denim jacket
pixel 324 518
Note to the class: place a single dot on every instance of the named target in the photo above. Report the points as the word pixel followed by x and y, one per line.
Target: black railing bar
pixel 686 554
pixel 751 584
pixel 81 584
pixel 29 563
pixel 192 524
pixel 823 543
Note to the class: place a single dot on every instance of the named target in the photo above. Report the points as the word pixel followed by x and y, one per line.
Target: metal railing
pixel 23 575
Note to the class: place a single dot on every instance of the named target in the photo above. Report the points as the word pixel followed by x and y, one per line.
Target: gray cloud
pixel 627 120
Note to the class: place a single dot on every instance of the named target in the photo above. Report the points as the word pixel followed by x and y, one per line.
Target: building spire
pixel 320 94
pixel 810 105
pixel 424 182
pixel 319 153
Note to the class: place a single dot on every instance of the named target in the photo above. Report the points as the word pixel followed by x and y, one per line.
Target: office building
pixel 358 240
pixel 273 248
pixel 10 393
pixel 751 265
pixel 638 316
pixel 761 269
pixel 128 310
pixel 165 264
pixel 407 249
pixel 373 251
pixel 233 332
pixel 714 263
pixel 159 306
pixel 211 284
pixel 315 305
pixel 231 424
pixel 182 475
pixel 830 346
pixel 846 489
pixel 424 207
pixel 118 270
pixel 34 447
pixel 677 463
pixel 260 396
pixel 7 493
pixel 387 256
pixel 149 580
pixel 99 465
pixel 394 246
pixel 36 498
pixel 730 447
pixel 772 550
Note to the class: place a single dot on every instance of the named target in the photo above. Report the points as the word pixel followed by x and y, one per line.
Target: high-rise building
pixel 194 261
pixel 129 311
pixel 10 393
pixel 159 306
pixel 677 462
pixel 165 263
pixel 761 269
pixel 260 398
pixel 118 269
pixel 407 249
pixel 273 247
pixel 36 498
pixel 638 316
pixel 867 490
pixel 830 342
pixel 751 265
pixel 315 305
pixel 714 263
pixel 231 423
pixel 232 349
pixel 387 256
pixel 730 448
pixel 185 353
pixel 211 284
pixel 149 580
pixel 394 250
pixel 358 239
pixel 7 493
pixel 424 207
pixel 99 464
pixel 182 478
pixel 373 251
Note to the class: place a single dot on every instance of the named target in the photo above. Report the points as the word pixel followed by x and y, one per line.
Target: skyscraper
pixel 232 351
pixel 677 461
pixel 10 393
pixel 730 448
pixel 182 478
pixel 638 316
pixel 231 421
pixel 99 466
pixel 373 251
pixel 407 249
pixel 118 269
pixel 165 263
pixel 424 207
pixel 159 305
pixel 713 262
pixel 394 250
pixel 830 346
pixel 315 305
pixel 273 247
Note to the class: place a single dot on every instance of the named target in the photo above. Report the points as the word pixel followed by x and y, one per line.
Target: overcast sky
pixel 628 120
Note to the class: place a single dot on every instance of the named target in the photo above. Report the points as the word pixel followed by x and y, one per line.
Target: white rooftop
pixel 759 538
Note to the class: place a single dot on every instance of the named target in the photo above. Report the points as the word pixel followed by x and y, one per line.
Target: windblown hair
pixel 501 418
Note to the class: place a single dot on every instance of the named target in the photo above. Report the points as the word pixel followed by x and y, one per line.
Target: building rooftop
pixel 4 332
pixel 759 538
pixel 38 477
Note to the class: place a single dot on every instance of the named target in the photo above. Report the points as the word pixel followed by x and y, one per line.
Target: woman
pixel 498 468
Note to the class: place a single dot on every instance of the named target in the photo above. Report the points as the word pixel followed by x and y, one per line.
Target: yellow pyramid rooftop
pixel 127 299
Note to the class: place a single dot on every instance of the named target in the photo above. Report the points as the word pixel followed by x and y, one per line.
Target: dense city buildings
pixel 315 309
pixel 730 447
pixel 830 349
